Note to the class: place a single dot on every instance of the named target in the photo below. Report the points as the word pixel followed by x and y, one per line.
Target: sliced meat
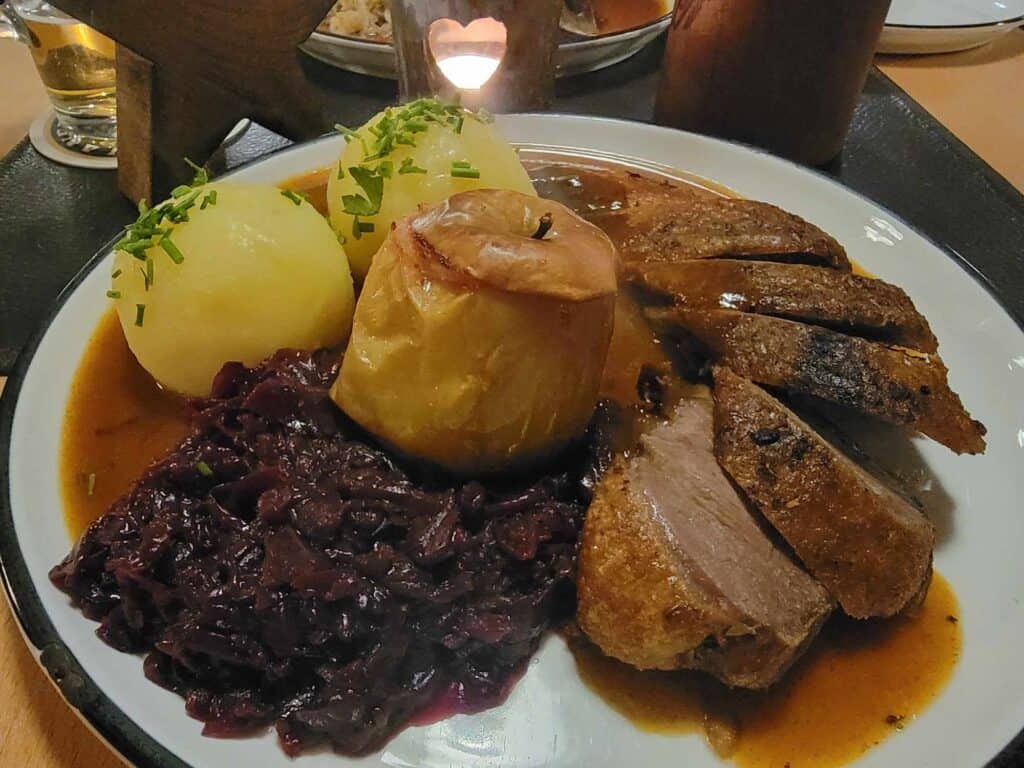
pixel 866 544
pixel 659 224
pixel 676 573
pixel 843 301
pixel 898 385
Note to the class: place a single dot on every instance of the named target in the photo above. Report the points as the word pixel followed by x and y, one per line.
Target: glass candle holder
pixel 495 54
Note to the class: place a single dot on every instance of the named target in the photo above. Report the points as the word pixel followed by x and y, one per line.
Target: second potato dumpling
pixel 481 333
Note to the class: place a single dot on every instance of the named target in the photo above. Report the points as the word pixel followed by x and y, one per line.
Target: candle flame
pixel 469 71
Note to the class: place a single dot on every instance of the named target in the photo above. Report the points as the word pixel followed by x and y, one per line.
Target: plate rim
pixel 1013 21
pixel 85 699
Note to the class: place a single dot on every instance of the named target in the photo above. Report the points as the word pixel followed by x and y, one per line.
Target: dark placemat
pixel 53 218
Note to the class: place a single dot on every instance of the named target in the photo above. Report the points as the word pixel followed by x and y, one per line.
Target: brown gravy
pixel 859 683
pixel 117 421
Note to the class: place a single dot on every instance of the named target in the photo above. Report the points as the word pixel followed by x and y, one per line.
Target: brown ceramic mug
pixel 781 74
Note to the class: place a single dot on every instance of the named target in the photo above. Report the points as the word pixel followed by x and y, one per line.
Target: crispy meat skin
pixel 866 544
pixel 676 572
pixel 897 385
pixel 662 225
pixel 843 301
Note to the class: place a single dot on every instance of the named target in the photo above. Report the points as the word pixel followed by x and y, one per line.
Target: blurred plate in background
pixel 942 26
pixel 377 58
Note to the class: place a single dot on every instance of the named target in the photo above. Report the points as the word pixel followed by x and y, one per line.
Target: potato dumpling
pixel 481 333
pixel 258 271
pixel 454 151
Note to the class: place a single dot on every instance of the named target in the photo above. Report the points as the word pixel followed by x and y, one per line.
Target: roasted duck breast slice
pixel 842 301
pixel 898 385
pixel 656 224
pixel 677 573
pixel 870 547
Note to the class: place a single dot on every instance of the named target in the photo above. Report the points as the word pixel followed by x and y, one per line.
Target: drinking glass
pixel 781 74
pixel 76 64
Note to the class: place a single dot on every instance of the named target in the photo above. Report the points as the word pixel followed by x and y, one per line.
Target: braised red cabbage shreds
pixel 279 569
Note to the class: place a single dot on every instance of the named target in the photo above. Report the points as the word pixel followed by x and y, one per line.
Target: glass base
pixel 94 136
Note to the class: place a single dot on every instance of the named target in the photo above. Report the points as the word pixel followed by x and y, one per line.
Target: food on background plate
pixel 417 154
pixel 223 272
pixel 677 573
pixel 370 19
pixel 481 333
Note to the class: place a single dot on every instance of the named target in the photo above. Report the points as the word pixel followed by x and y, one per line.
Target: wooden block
pixel 188 71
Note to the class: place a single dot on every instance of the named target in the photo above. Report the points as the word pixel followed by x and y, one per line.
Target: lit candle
pixel 498 54
pixel 468 55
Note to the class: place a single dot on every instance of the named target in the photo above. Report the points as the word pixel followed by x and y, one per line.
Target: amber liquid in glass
pixel 781 74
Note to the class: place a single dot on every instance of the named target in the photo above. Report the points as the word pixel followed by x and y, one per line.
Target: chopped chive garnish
pixel 204 469
pixel 171 249
pixel 143 207
pixel 201 177
pixel 398 126
pixel 140 314
pixel 408 167
pixel 341 171
pixel 147 273
pixel 461 164
pixel 180 191
pixel 296 197
pixel 116 274
pixel 113 294
pixel 366 226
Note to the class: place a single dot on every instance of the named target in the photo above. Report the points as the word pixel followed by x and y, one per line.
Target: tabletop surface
pixel 972 94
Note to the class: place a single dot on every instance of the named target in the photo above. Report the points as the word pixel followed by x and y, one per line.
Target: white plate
pixel 941 26
pixel 378 59
pixel 551 719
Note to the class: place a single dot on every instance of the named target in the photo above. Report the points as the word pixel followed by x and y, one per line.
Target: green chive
pixel 113 294
pixel 366 226
pixel 201 177
pixel 461 164
pixel 147 273
pixel 408 167
pixel 117 274
pixel 465 173
pixel 204 469
pixel 295 197
pixel 171 249
pixel 458 125
pixel 341 171
pixel 140 313
pixel 143 207
pixel 180 191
